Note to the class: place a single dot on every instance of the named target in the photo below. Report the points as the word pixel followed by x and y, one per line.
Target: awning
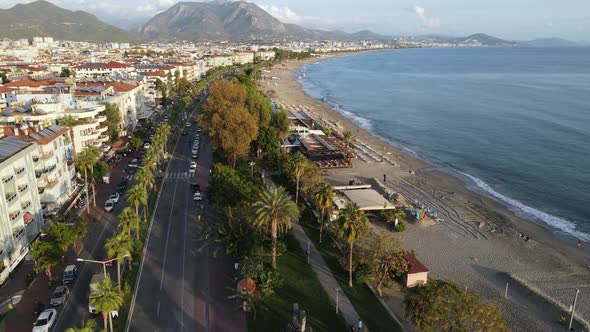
pixel 28 217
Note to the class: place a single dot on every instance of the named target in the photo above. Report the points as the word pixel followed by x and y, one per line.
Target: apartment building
pixel 102 69
pixel 21 217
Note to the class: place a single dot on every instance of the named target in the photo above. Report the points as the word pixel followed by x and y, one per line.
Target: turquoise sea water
pixel 515 122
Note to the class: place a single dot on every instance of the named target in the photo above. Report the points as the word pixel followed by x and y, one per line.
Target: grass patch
pixel 373 314
pixel 300 286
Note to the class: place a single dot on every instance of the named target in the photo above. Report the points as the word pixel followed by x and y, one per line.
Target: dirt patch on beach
pixel 474 241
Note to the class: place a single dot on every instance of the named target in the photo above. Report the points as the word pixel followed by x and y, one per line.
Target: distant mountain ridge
pixel 549 42
pixel 44 19
pixel 236 20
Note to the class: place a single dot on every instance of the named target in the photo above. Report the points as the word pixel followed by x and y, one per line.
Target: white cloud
pixel 427 22
pixel 283 14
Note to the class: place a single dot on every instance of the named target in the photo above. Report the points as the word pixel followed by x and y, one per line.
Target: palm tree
pixel 274 210
pixel 85 161
pixel 106 298
pixel 117 247
pixel 88 326
pixel 145 178
pixel 324 197
pixel 298 163
pixel 71 122
pixel 349 137
pixel 136 196
pixel 129 221
pixel 353 225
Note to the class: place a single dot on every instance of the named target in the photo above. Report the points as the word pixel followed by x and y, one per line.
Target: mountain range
pixel 44 19
pixel 194 21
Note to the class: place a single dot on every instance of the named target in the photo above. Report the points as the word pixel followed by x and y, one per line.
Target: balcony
pixel 102 129
pixel 51 169
pixel 46 156
pixel 103 138
pixel 20 171
pixel 10 197
pixel 23 188
pixel 100 118
pixel 35 159
pixel 26 205
pixel 8 179
pixel 51 184
pixel 14 215
pixel 18 232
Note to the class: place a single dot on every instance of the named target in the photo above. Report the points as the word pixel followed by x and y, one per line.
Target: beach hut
pixel 417 273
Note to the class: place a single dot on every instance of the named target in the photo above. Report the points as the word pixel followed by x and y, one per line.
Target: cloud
pixel 427 22
pixel 283 14
pixel 549 25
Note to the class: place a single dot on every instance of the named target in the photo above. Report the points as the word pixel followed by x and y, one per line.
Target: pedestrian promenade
pixel 325 276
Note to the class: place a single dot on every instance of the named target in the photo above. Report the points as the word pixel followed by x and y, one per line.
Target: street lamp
pixel 103 263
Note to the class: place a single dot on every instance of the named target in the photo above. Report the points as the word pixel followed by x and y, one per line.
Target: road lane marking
pixel 167 237
pixel 158 313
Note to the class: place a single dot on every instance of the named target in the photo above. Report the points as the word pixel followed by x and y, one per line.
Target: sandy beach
pixel 476 242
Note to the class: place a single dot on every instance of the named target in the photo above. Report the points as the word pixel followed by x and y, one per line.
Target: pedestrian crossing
pixel 179 175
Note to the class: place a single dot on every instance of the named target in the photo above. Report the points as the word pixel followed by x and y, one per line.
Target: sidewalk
pixel 325 276
pixel 24 316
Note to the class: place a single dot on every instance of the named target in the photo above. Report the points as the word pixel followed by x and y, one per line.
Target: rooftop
pixel 10 145
pixel 365 199
pixel 414 265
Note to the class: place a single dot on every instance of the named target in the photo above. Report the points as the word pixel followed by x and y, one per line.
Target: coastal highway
pixel 180 289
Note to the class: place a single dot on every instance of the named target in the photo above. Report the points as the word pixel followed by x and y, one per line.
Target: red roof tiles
pixel 414 265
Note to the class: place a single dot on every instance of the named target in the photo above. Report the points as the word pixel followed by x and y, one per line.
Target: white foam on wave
pixel 551 220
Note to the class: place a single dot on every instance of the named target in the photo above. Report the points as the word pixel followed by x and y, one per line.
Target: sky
pixel 509 19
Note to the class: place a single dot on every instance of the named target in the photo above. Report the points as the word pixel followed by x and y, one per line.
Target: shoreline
pixel 491 247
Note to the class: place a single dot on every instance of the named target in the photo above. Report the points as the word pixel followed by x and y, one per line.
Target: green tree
pixel 87 326
pixel 297 166
pixel 85 161
pixel 46 255
pixel 349 137
pixel 225 119
pixel 268 141
pixel 352 225
pixel 66 72
pixel 229 188
pixel 235 232
pixel 162 88
pixel 324 199
pixel 259 106
pixel 137 196
pixel 442 306
pixel 71 122
pixel 117 247
pixel 280 120
pixel 145 178
pixel 129 221
pixel 387 260
pixel 106 299
pixel 274 212
pixel 61 235
pixel 100 169
pixel 114 120
pixel 136 142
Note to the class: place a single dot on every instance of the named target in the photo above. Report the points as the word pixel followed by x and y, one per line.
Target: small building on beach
pixel 365 199
pixel 417 273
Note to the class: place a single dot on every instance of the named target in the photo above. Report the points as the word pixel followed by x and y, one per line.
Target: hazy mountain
pixel 549 42
pixel 483 39
pixel 237 20
pixel 44 19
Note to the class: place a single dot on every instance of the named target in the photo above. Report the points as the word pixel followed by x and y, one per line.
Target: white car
pixel 59 296
pixel 45 320
pixel 197 196
pixel 192 168
pixel 188 124
pixel 195 150
pixel 115 197
pixel 109 205
pixel 146 145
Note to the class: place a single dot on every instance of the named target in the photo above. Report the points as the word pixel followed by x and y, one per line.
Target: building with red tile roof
pixel 417 273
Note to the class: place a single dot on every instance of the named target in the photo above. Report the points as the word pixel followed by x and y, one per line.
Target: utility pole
pixel 573 310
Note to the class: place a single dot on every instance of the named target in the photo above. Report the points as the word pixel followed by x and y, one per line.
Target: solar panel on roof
pixel 35 136
pixel 44 133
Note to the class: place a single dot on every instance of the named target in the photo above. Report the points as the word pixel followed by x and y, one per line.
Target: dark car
pixel 131 170
pixel 196 187
pixel 122 185
pixel 184 132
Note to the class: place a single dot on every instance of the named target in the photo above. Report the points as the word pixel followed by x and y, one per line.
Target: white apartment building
pixel 91 130
pixel 102 69
pixel 21 217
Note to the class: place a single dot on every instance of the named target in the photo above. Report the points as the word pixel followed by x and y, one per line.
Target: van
pixel 70 274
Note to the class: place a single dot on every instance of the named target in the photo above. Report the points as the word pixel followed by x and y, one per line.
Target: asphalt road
pixel 180 289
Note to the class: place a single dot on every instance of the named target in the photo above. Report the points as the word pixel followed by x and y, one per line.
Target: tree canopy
pixel 225 119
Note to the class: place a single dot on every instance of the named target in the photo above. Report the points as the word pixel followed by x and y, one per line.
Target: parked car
pixel 115 197
pixel 45 320
pixel 121 186
pixel 133 163
pixel 192 168
pixel 146 145
pixel 109 205
pixel 195 155
pixel 70 274
pixel 197 196
pixel 59 296
pixel 199 129
pixel 188 124
pixel 184 133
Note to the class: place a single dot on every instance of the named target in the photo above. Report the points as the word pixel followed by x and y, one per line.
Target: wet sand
pixel 476 242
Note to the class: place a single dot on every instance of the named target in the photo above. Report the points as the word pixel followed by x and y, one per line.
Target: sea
pixel 514 123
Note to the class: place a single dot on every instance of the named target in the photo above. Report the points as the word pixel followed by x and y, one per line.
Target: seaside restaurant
pixel 365 199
